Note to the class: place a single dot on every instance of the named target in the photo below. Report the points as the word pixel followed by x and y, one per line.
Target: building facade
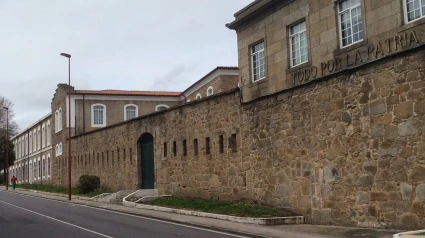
pixel 327 119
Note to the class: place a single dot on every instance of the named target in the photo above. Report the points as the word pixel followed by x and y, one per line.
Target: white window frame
pixel 340 26
pixel 125 110
pixel 198 96
pixel 59 119
pixel 49 167
pixel 406 18
pixel 161 105
pixel 252 60
pixel 39 167
pixel 34 167
pixel 57 151
pixel 291 38
pixel 60 149
pixel 38 138
pixel 43 166
pixel 92 115
pixel 43 135
pixel 30 142
pixel 49 133
pixel 208 91
pixel 34 137
pixel 26 145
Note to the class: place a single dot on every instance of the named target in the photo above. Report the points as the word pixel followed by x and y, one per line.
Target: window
pixel 44 167
pixel 38 138
pixel 34 137
pixel 207 146
pixel 161 107
pixel 195 147
pixel 30 142
pixel 165 149
pixel 43 135
pixel 299 51
pixel 131 111
pixel 232 143
pixel 350 20
pixel 258 62
pixel 184 148
pixel 221 144
pixel 210 91
pixel 49 133
pixel 48 165
pixel 39 168
pixel 59 120
pixel 57 150
pixel 60 149
pixel 175 148
pixel 415 9
pixel 98 115
pixel 198 96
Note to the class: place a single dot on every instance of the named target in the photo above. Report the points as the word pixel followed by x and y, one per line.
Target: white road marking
pixel 140 217
pixel 64 222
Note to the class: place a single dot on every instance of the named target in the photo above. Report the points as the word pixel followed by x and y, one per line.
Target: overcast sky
pixel 115 44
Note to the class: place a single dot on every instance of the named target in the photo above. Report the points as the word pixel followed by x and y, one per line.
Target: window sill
pixel 351 47
pixel 260 81
pixel 98 126
pixel 298 67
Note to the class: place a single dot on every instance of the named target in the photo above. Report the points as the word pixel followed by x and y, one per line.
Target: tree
pixel 13 127
pixel 11 153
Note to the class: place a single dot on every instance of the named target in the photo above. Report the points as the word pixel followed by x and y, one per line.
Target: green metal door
pixel 148 167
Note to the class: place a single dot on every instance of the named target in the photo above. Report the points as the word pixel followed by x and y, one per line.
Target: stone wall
pixel 347 150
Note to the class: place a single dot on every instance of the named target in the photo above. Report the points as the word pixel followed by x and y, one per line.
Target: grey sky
pixel 115 44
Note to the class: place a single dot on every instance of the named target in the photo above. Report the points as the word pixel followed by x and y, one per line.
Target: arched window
pixel 38 138
pixel 39 167
pixel 34 168
pixel 210 91
pixel 48 165
pixel 43 136
pixel 43 166
pixel 56 120
pixel 198 96
pixel 98 115
pixel 34 137
pixel 49 133
pixel 30 142
pixel 60 119
pixel 130 111
pixel 60 149
pixel 57 150
pixel 161 107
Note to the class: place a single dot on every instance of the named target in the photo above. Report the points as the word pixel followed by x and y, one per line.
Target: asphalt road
pixel 26 216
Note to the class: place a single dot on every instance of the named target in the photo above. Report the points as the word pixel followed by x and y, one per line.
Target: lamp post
pixel 69 122
pixel 6 168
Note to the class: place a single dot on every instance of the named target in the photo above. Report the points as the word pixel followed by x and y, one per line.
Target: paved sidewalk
pixel 284 231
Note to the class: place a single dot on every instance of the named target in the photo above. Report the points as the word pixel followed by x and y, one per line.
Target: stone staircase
pixel 120 197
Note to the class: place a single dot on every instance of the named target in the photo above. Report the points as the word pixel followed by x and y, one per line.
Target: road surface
pixel 26 216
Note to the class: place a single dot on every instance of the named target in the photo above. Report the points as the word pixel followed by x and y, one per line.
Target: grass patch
pixel 218 207
pixel 58 189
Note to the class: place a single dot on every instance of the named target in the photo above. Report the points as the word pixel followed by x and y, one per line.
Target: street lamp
pixel 69 122
pixel 6 168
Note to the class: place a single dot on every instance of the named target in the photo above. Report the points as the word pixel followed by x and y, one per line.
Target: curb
pixel 409 234
pixel 55 194
pixel 248 220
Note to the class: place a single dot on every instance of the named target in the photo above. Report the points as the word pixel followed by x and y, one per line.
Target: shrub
pixel 88 184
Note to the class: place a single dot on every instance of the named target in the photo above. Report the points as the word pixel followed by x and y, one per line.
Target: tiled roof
pixel 125 92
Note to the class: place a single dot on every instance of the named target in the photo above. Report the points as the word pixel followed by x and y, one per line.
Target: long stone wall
pixel 345 151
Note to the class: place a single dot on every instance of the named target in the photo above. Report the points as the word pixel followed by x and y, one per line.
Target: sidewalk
pixel 287 231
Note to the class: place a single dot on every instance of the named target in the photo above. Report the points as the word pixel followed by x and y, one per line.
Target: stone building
pixel 39 144
pixel 33 152
pixel 327 119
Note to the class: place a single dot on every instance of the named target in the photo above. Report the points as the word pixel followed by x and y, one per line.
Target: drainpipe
pixel 84 115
